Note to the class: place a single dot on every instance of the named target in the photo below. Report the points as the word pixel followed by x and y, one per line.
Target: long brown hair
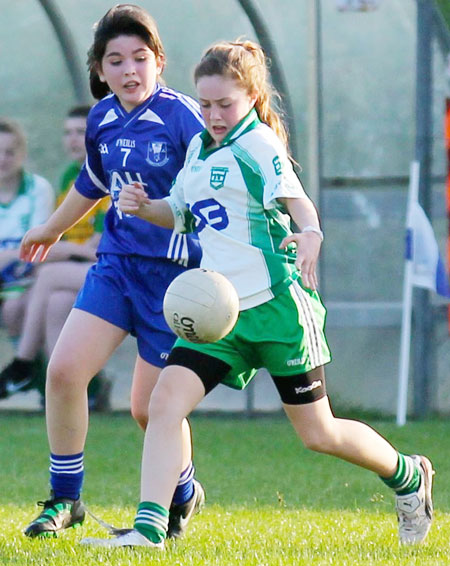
pixel 123 19
pixel 245 62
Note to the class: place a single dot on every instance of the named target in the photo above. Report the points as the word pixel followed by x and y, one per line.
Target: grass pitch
pixel 269 501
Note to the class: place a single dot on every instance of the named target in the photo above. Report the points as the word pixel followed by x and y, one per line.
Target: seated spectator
pixel 35 318
pixel 26 199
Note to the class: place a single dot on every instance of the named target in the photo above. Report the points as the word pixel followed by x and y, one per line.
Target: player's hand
pixel 132 199
pixel 308 248
pixel 37 242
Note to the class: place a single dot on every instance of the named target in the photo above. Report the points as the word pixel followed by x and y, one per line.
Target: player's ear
pixel 100 74
pixel 160 64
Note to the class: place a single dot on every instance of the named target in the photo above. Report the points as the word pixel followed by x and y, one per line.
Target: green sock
pixel 407 477
pixel 152 521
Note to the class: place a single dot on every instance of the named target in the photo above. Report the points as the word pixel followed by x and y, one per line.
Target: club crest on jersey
pixel 277 165
pixel 217 178
pixel 157 153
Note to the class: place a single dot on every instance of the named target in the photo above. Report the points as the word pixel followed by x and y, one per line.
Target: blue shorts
pixel 128 291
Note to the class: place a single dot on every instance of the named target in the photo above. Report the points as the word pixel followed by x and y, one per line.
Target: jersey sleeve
pixel 44 201
pixel 91 181
pixel 189 121
pixel 280 178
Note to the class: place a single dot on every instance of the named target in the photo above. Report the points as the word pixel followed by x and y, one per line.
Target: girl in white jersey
pixel 139 129
pixel 238 188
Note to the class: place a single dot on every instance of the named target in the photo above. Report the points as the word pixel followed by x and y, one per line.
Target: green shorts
pixel 284 335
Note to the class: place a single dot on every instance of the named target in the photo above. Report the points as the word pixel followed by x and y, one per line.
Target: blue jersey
pixel 146 145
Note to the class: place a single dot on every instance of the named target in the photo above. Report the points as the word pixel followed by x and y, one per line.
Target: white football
pixel 201 306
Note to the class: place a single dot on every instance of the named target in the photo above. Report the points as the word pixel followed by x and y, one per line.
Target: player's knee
pixel 62 376
pixel 139 412
pixel 322 440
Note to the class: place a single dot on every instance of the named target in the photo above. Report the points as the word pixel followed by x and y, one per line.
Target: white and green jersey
pixel 228 196
pixel 33 204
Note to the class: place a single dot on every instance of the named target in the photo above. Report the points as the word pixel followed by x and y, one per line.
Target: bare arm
pixel 37 242
pixel 303 213
pixel 134 200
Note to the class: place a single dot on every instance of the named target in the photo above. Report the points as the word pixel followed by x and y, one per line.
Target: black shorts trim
pixel 302 388
pixel 209 369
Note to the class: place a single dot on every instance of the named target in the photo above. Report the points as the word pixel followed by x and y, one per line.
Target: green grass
pixel 269 501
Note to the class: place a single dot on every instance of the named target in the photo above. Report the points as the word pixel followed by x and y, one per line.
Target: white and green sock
pixel 407 477
pixel 152 521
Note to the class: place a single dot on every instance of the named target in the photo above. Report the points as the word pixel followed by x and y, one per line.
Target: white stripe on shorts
pixel 309 323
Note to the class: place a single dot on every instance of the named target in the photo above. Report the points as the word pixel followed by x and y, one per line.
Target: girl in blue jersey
pixel 239 186
pixel 138 132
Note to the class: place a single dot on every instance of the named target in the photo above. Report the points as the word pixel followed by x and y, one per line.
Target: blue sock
pixel 185 487
pixel 66 475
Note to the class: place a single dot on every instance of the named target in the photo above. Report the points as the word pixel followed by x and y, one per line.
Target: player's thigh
pixel 84 345
pixel 145 377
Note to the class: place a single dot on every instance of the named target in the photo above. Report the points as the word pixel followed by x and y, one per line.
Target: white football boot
pixel 415 510
pixel 130 537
